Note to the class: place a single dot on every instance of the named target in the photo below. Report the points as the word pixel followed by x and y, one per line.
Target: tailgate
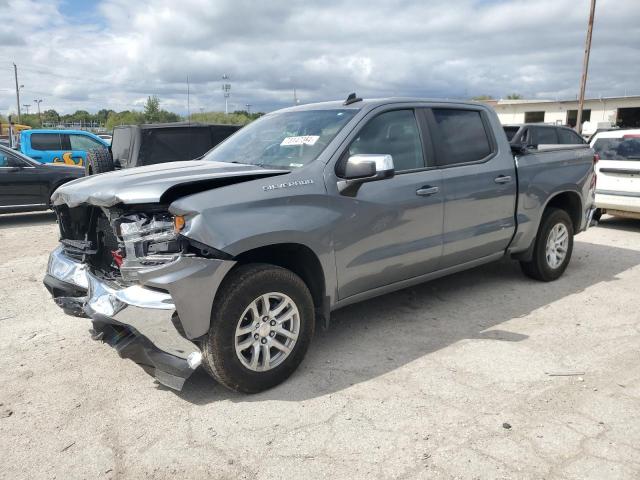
pixel 619 166
pixel 617 177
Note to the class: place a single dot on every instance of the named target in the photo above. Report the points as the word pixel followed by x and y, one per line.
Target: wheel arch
pixel 569 201
pixel 301 260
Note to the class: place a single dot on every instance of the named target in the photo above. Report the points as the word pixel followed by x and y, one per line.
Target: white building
pixel 621 111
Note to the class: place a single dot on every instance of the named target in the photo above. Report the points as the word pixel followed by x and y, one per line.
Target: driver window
pixel 392 133
pixel 11 161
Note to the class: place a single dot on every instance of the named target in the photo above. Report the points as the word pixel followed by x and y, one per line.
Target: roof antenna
pixel 352 98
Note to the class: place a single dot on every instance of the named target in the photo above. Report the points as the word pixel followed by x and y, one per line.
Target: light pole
pixel 37 102
pixel 248 105
pixel 585 66
pixel 226 89
pixel 15 73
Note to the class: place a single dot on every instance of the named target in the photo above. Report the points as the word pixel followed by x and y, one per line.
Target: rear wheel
pixel 261 326
pixel 99 160
pixel 553 247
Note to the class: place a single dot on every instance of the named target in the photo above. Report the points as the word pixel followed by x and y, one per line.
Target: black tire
pixel 99 160
pixel 539 268
pixel 238 291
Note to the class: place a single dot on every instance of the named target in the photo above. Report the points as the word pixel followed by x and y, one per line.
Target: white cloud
pixel 436 48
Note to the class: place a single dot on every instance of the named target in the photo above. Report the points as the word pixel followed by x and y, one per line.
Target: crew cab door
pixel 390 230
pixel 20 182
pixel 478 183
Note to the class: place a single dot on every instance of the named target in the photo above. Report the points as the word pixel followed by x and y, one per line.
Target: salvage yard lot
pixel 447 379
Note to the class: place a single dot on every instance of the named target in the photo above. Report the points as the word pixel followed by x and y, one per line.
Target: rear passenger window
pixel 543 136
pixel 45 141
pixel 392 133
pixel 82 142
pixel 461 136
pixel 568 137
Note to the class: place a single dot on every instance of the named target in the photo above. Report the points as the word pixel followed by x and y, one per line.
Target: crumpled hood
pixel 148 184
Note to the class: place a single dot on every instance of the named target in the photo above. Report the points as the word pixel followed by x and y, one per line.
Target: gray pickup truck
pixel 231 261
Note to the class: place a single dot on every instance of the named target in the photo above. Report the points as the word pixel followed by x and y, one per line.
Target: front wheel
pixel 261 326
pixel 553 247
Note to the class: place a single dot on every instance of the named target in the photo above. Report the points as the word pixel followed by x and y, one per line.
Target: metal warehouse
pixel 621 111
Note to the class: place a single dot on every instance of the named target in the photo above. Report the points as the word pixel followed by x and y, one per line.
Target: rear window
pixel 569 137
pixel 543 136
pixel 625 148
pixel 174 144
pixel 46 141
pixel 84 142
pixel 511 132
pixel 462 137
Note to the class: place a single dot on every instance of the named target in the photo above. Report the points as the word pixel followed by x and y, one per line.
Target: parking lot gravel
pixel 483 374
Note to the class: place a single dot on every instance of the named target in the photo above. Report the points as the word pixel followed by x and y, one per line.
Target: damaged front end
pixel 146 286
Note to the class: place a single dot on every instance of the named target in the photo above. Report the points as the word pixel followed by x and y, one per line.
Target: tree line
pixel 152 113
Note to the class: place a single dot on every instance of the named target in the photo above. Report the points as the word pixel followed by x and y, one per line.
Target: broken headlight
pixel 148 239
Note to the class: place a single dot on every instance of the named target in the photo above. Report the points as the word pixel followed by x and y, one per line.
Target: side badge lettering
pixel 295 183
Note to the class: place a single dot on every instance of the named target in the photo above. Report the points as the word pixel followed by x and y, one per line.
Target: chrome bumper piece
pixel 147 312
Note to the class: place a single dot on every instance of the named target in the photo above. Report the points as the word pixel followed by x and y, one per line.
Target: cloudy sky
pixel 113 53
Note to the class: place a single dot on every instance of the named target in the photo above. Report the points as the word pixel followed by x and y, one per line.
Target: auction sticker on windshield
pixel 302 140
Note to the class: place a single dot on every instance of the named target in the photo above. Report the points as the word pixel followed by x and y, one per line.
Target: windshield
pixel 285 139
pixel 625 148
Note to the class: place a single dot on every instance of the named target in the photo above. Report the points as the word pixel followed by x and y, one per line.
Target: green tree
pixel 152 109
pixel 30 119
pixel 103 114
pixel 514 96
pixel 124 118
pixel 480 98
pixel 50 116
pixel 235 118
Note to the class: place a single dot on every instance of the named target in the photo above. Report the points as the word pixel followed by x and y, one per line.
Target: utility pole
pixel 37 102
pixel 585 66
pixel 15 73
pixel 26 107
pixel 248 105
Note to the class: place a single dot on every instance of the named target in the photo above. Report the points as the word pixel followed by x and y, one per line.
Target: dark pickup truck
pixel 150 144
pixel 535 134
pixel 230 261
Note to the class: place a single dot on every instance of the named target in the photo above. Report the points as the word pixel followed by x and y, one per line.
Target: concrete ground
pixel 445 380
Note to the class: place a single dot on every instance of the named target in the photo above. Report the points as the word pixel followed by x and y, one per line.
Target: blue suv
pixel 67 147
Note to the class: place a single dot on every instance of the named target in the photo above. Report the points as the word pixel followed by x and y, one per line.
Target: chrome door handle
pixel 502 179
pixel 427 191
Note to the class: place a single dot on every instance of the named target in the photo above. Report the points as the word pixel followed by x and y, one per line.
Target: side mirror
pixel 519 148
pixel 361 169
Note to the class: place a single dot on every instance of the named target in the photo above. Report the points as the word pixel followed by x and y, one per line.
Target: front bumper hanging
pixel 142 321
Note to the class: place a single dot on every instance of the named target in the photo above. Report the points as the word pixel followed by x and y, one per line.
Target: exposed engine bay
pixel 116 243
